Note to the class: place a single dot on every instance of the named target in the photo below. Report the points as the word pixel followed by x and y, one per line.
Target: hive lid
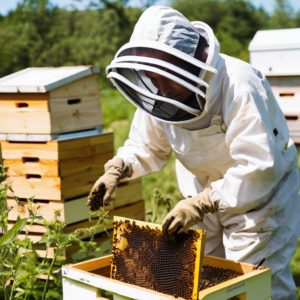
pixel 42 80
pixel 278 39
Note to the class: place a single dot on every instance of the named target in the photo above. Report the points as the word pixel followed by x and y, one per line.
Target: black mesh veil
pixel 165 90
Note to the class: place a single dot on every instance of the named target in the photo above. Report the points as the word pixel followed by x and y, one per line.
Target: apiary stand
pixel 86 280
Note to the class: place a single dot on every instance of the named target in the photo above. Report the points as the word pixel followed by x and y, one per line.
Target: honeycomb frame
pixel 120 244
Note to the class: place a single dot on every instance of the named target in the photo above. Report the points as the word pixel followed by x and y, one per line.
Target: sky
pixel 7 5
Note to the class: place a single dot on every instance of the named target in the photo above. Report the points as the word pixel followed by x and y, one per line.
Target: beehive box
pixel 87 280
pixel 50 100
pixel 287 92
pixel 76 210
pixel 56 170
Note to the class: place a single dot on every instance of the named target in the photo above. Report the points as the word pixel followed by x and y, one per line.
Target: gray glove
pixel 189 212
pixel 115 170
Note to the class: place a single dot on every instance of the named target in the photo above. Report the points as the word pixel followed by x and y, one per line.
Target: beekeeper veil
pixel 162 70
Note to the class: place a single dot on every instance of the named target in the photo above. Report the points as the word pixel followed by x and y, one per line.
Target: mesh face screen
pixel 158 109
pixel 162 262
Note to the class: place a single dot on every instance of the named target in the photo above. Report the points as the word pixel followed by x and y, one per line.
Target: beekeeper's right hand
pixel 115 170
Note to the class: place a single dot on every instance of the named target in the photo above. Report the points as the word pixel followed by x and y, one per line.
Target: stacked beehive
pixel 52 141
pixel 276 54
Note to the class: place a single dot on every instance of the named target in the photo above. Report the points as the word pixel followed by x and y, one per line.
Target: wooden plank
pixel 84 114
pixel 24 96
pixel 25 165
pixel 112 285
pixel 60 150
pixel 78 184
pixel 44 209
pixel 82 164
pixel 16 106
pixel 131 192
pixel 86 151
pixel 94 264
pixel 25 122
pixel 45 188
pixel 42 150
pixel 88 85
pixel 54 168
pixel 217 262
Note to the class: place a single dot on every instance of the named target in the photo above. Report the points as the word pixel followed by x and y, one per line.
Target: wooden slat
pixel 24 96
pixel 46 188
pixel 19 167
pixel 54 168
pixel 88 85
pixel 16 106
pixel 15 150
pixel 75 210
pixel 128 193
pixel 60 150
pixel 25 122
pixel 83 115
pixel 217 262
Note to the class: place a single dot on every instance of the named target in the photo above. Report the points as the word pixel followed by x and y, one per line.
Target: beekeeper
pixel 236 165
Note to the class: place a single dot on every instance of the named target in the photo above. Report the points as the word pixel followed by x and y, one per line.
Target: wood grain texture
pixel 60 150
pixel 83 115
pixel 24 97
pixel 15 150
pixel 88 85
pixel 46 188
pixel 25 122
pixel 47 168
pixel 62 168
pixel 16 106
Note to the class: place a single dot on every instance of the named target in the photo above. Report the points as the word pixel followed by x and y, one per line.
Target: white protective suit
pixel 234 150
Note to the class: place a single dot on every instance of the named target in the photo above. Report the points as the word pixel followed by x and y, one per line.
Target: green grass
pixel 118 114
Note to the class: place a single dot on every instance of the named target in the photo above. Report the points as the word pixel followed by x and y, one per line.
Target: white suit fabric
pixel 234 150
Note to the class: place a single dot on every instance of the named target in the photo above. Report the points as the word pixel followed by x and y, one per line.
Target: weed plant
pixel 20 264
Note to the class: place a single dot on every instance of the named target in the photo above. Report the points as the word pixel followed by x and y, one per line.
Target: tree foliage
pixel 38 33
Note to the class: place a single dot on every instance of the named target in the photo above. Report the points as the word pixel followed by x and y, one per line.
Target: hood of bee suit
pixel 166 43
pixel 167 26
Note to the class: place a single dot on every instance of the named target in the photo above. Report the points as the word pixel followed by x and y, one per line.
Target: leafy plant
pixel 158 201
pixel 21 266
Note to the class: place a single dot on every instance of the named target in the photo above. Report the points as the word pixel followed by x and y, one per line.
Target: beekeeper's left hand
pixel 189 212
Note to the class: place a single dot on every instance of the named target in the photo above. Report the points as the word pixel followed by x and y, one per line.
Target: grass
pixel 118 114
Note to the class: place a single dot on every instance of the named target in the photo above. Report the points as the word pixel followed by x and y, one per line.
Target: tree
pixel 283 16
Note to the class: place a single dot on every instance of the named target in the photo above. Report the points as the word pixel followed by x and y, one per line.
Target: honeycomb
pixel 148 258
pixel 97 202
pixel 211 276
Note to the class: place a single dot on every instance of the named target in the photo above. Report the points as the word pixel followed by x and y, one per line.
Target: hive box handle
pixel 22 105
pixel 33 177
pixel 74 101
pixel 287 94
pixel 30 161
pixel 291 118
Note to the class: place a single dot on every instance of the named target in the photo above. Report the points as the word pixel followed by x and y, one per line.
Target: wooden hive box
pixel 50 100
pixel 88 279
pixel 76 210
pixel 56 170
pixel 287 92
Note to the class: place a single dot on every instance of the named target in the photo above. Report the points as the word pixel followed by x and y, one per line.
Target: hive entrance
pixel 144 256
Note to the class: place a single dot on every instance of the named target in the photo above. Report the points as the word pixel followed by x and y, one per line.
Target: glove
pixel 115 170
pixel 189 212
